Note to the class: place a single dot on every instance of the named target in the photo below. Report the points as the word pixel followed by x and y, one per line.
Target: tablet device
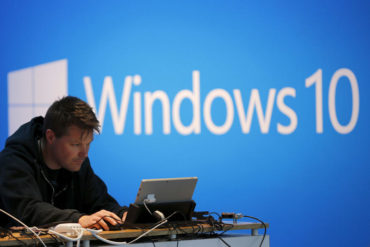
pixel 167 190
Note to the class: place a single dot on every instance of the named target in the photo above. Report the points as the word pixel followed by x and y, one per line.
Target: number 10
pixel 316 79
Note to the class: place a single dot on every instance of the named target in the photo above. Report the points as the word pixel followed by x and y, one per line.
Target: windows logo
pixel 32 90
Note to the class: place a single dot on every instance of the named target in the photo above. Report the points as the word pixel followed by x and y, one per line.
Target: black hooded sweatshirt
pixel 38 196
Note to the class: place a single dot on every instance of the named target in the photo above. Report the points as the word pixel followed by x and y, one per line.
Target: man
pixel 45 172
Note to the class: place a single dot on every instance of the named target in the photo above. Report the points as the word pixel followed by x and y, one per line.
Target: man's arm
pixel 20 195
pixel 97 201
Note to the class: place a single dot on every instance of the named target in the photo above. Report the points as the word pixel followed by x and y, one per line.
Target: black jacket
pixel 26 190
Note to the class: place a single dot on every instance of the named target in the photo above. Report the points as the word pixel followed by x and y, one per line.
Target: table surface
pixel 132 233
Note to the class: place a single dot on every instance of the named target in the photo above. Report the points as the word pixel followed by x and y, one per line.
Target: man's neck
pixel 46 155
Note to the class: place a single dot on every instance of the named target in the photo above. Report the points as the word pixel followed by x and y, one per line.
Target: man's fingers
pixel 96 226
pixel 103 225
pixel 110 217
pixel 124 216
pixel 114 216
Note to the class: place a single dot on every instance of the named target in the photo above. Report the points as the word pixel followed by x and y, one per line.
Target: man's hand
pixel 99 220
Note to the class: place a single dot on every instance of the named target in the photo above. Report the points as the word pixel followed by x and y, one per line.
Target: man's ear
pixel 50 136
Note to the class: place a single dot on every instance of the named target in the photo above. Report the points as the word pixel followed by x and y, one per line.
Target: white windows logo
pixel 32 90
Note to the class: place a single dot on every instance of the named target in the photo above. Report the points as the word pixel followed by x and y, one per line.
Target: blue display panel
pixel 267 103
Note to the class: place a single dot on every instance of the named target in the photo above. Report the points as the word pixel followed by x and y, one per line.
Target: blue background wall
pixel 313 188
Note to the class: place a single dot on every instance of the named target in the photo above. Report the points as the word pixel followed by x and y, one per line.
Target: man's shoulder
pixel 21 149
pixel 23 142
pixel 13 164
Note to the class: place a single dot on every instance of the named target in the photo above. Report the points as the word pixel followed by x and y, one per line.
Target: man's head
pixel 70 111
pixel 68 131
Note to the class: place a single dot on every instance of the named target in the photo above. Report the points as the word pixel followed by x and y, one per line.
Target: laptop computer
pixel 173 197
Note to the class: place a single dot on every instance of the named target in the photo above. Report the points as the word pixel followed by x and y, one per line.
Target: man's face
pixel 70 150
